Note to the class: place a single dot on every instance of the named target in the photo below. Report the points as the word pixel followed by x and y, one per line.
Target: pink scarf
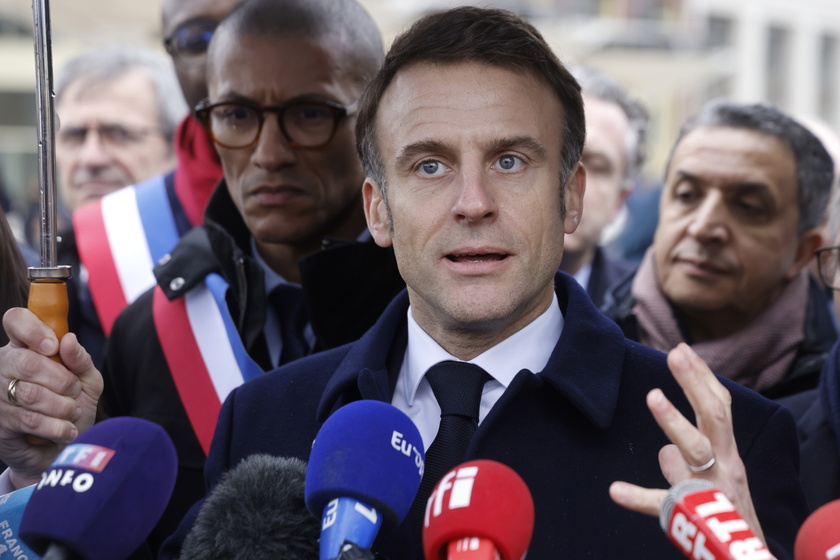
pixel 758 356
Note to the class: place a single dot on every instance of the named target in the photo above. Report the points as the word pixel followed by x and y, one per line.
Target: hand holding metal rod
pixel 48 288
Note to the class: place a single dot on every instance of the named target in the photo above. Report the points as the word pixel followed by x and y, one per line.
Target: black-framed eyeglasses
pixel 828 259
pixel 188 43
pixel 238 124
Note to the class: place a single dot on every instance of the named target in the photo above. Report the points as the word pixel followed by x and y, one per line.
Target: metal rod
pixel 46 131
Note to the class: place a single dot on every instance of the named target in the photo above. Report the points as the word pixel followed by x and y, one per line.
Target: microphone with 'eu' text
pixel 364 471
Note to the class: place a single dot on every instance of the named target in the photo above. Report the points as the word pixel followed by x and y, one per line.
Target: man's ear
pixel 376 213
pixel 575 188
pixel 809 242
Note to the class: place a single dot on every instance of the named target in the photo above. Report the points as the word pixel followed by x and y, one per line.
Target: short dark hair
pixel 346 20
pixel 468 34
pixel 814 166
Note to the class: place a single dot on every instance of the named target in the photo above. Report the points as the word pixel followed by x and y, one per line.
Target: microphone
pixel 364 471
pixel 819 536
pixel 104 493
pixel 12 506
pixel 257 511
pixel 480 510
pixel 702 522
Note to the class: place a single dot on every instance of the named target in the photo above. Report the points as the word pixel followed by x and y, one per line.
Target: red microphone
pixel 480 510
pixel 819 536
pixel 704 524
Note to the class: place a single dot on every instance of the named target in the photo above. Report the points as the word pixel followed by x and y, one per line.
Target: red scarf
pixel 199 169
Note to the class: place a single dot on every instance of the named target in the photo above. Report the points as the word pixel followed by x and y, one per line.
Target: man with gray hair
pixel 614 152
pixel 118 109
pixel 739 220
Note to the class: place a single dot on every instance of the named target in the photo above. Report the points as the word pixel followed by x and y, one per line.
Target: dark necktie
pixel 290 307
pixel 457 387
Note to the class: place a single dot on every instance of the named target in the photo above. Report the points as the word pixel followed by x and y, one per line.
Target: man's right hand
pixel 54 402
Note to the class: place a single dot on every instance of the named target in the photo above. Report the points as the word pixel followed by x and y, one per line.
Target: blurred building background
pixel 673 54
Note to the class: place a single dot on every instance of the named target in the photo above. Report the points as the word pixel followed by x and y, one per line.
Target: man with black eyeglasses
pixel 283 264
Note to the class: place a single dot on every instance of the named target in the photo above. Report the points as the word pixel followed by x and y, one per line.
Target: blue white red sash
pixel 120 238
pixel 203 350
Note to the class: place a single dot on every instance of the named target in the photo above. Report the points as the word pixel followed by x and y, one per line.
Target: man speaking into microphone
pixel 471 137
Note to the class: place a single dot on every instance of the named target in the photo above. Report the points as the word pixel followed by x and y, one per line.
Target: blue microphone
pixel 104 493
pixel 12 506
pixel 364 471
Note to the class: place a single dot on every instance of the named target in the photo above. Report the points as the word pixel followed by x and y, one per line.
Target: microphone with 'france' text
pixel 364 471
pixel 480 510
pixel 819 536
pixel 12 506
pixel 104 493
pixel 702 522
pixel 257 512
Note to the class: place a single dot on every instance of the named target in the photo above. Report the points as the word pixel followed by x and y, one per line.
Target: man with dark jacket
pixel 817 411
pixel 283 264
pixel 471 137
pixel 739 220
pixel 616 125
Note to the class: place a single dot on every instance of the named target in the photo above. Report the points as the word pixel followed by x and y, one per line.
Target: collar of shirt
pixel 528 348
pixel 271 278
pixel 583 274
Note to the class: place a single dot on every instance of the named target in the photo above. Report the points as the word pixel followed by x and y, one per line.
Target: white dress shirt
pixel 528 348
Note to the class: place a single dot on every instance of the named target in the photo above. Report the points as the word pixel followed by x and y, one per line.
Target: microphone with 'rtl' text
pixel 702 522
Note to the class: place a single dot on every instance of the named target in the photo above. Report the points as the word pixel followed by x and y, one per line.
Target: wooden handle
pixel 48 301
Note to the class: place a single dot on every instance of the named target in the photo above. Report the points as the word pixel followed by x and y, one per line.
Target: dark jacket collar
pixel 586 364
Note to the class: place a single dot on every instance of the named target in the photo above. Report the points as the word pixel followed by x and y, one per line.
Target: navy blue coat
pixel 569 431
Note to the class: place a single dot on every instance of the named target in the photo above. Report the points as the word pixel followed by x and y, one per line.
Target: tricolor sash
pixel 120 238
pixel 203 350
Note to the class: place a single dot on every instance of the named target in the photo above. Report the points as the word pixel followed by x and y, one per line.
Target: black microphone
pixel 103 494
pixel 257 511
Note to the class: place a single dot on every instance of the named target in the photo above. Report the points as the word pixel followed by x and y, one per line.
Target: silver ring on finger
pixel 11 391
pixel 704 467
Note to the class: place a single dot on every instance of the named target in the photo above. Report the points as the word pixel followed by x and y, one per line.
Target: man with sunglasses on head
pixel 119 239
